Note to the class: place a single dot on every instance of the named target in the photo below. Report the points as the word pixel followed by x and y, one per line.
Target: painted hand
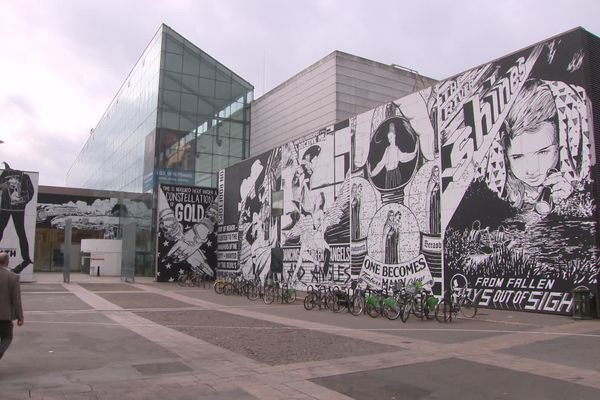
pixel 189 243
pixel 561 188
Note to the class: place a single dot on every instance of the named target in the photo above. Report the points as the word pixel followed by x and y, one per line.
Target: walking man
pixel 10 303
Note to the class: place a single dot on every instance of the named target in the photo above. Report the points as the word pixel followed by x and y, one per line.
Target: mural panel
pixel 395 195
pixel 483 180
pixel 517 193
pixel 17 218
pixel 187 238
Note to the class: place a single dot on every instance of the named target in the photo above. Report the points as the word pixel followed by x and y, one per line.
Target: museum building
pixel 360 171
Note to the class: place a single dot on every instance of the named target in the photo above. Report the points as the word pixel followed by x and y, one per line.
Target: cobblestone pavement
pixel 102 339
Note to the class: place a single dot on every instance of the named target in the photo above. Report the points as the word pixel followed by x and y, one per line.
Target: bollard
pixel 581 303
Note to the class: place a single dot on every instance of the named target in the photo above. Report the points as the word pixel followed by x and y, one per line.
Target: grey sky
pixel 62 61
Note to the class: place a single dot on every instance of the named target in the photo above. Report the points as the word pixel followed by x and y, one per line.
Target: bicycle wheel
pixel 269 295
pixel 406 311
pixel 199 280
pixel 289 295
pixel 392 310
pixel 468 308
pixel 218 287
pixel 228 289
pixel 443 311
pixel 373 310
pixel 310 301
pixel 339 302
pixel 182 280
pixel 253 292
pixel 417 308
pixel 357 305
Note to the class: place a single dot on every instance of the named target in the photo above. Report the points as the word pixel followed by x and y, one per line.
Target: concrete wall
pixel 331 90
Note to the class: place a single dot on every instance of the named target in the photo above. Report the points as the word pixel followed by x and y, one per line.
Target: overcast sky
pixel 62 61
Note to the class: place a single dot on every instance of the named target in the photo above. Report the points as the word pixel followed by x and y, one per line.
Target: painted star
pixel 166 243
pixel 209 243
pixel 171 279
pixel 168 266
pixel 181 271
pixel 158 273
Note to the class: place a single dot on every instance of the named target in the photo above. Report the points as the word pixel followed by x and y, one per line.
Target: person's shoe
pixel 21 267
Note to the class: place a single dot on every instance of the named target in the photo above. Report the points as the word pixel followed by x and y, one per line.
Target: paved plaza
pixel 98 338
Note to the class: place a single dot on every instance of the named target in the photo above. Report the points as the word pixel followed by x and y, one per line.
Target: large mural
pixel 17 218
pixel 186 238
pixel 482 180
pixel 93 213
pixel 517 198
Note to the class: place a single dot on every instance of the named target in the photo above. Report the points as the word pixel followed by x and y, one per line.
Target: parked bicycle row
pixel 398 302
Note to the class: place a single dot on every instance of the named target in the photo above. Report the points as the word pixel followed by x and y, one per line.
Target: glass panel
pixel 203 179
pixel 176 151
pixel 171 81
pixel 191 62
pixel 220 162
pixel 236 147
pixel 205 107
pixel 223 90
pixel 169 120
pixel 207 87
pixel 223 74
pixel 205 143
pixel 189 103
pixel 170 100
pixel 207 68
pixel 189 84
pixel 173 45
pixel 187 122
pixel 237 91
pixel 236 130
pixel 204 162
pixel 173 62
pixel 221 145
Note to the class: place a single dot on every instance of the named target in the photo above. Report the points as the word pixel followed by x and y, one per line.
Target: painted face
pixel 532 154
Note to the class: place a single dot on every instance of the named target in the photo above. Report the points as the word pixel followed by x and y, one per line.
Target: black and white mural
pixel 92 213
pixel 483 180
pixel 187 236
pixel 396 201
pixel 315 226
pixel 17 218
pixel 517 199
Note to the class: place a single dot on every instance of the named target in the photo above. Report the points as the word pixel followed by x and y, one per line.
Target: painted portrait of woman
pixel 545 145
pixel 393 153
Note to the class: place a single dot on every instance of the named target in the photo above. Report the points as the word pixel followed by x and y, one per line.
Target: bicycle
pixel 455 301
pixel 280 292
pixel 192 278
pixel 419 301
pixel 321 297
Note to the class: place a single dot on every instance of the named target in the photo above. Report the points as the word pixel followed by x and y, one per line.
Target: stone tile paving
pixel 263 341
pixel 42 287
pixel 109 287
pixel 453 379
pixel 52 302
pixel 249 368
pixel 576 351
pixel 142 300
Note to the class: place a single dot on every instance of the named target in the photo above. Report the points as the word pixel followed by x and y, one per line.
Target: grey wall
pixel 331 90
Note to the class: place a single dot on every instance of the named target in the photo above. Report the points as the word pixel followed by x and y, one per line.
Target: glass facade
pixel 203 115
pixel 179 118
pixel 113 156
